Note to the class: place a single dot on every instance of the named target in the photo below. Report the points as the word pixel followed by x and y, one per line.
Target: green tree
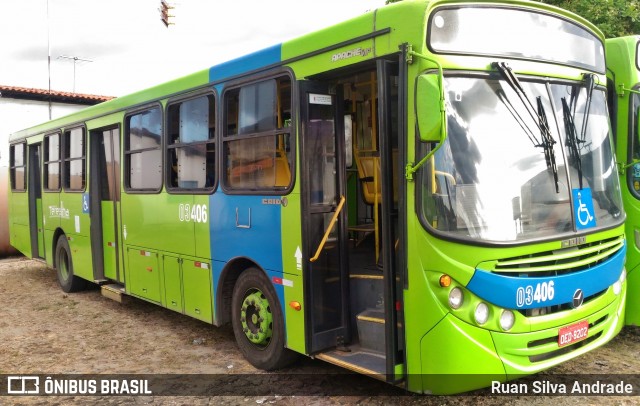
pixel 614 17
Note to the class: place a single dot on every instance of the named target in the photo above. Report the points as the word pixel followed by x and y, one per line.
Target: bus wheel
pixel 257 322
pixel 64 266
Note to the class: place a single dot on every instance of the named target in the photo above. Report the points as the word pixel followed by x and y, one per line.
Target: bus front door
pixel 104 196
pixel 324 215
pixel 35 203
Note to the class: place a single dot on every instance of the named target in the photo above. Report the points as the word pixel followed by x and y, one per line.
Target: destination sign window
pixel 514 33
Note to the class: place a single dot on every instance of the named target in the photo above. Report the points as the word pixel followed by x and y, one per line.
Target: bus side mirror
pixel 430 108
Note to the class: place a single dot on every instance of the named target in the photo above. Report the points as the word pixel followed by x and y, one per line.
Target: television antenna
pixel 75 60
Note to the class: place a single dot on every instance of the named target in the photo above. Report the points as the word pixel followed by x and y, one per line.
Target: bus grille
pixel 560 262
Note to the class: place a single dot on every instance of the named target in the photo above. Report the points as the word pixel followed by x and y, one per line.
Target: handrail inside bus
pixel 326 233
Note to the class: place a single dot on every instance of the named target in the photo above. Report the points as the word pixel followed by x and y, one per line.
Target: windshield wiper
pixel 573 142
pixel 539 117
pixel 502 96
pixel 547 143
pixel 589 82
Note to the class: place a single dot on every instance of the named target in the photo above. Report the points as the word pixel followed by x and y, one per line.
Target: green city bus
pixel 426 194
pixel 623 75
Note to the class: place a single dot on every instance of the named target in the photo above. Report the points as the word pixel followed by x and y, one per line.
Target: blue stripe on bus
pixel 254 234
pixel 247 63
pixel 242 226
pixel 520 293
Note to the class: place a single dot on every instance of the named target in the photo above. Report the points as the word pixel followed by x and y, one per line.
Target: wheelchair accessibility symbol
pixel 583 208
pixel 85 202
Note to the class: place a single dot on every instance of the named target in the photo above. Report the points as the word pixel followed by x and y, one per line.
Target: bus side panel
pixel 202 226
pixel 620 53
pixel 20 236
pixel 632 315
pixel 161 222
pixel 80 247
pixel 75 225
pixel 292 276
pixel 49 246
pixel 632 230
pixel 153 224
pixel 245 226
pixel 196 285
pixel 50 206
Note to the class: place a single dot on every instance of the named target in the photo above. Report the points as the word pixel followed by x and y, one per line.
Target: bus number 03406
pixel 539 293
pixel 196 213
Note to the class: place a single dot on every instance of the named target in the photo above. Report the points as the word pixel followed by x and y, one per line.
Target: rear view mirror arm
pixel 411 169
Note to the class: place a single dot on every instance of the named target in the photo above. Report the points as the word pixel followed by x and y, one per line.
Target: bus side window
pixel 257 142
pixel 18 166
pixel 191 144
pixel 52 162
pixel 143 156
pixel 74 160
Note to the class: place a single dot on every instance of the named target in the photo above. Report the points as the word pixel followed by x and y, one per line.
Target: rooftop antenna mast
pixel 49 59
pixel 75 60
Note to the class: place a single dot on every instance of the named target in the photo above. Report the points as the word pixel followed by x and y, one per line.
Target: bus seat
pixel 369 175
pixel 282 170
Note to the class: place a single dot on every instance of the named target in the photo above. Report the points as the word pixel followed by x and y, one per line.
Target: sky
pixel 122 46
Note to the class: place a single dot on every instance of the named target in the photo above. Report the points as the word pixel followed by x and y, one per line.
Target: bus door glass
pixel 103 200
pixel 35 202
pixel 323 217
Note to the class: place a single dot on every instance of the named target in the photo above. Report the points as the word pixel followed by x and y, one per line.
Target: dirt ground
pixel 45 331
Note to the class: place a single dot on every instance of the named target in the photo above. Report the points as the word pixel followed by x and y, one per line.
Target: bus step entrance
pixel 113 291
pixel 371 330
pixel 360 360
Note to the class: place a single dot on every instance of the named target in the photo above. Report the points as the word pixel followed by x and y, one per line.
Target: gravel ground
pixel 45 331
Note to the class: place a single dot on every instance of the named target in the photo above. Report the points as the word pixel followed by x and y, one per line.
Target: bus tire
pixel 67 280
pixel 257 322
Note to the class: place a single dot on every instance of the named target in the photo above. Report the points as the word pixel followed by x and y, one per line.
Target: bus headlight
pixel 482 313
pixel 455 298
pixel 507 318
pixel 617 287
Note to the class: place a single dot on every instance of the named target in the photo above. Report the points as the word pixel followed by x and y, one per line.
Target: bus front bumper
pixel 458 357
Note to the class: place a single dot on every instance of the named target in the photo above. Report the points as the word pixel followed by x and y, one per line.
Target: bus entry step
pixel 113 291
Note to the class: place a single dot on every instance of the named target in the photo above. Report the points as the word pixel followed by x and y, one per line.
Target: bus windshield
pixel 492 179
pixel 514 33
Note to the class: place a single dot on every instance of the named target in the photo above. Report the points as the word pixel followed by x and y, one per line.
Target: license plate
pixel 573 333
